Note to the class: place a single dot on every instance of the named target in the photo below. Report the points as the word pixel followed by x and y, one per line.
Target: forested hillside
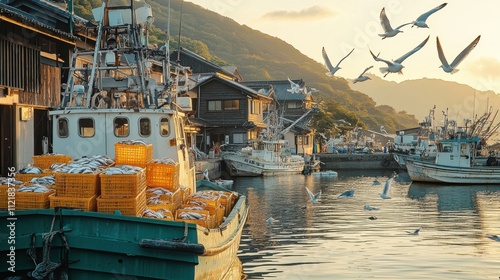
pixel 259 56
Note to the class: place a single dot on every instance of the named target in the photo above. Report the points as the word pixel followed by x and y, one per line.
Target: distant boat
pixel 455 164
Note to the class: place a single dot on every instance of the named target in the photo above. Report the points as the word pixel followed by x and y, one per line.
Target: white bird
pixel 295 88
pixel 329 66
pixel 420 21
pixel 386 25
pixel 271 220
pixel 385 190
pixel 451 68
pixel 370 208
pixel 205 175
pixel 396 66
pixel 415 232
pixel 348 193
pixel 362 78
pixel 493 237
pixel 314 197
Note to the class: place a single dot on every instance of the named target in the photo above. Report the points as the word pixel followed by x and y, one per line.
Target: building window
pixel 294 105
pixel 164 127
pixel 215 105
pixel 86 127
pixel 121 127
pixel 62 127
pixel 231 104
pixel 144 127
pixel 255 107
pixel 239 138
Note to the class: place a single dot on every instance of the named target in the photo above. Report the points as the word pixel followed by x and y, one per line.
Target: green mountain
pixel 259 56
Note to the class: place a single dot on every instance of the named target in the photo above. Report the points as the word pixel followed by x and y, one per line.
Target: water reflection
pixel 319 241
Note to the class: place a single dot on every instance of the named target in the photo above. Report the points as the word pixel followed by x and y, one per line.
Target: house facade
pixel 35 44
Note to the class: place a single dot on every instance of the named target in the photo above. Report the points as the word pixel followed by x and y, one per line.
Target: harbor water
pixel 337 238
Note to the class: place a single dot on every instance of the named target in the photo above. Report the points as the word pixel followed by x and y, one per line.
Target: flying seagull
pixel 420 21
pixel 386 25
pixel 385 190
pixel 415 232
pixel 314 197
pixel 362 78
pixel 348 193
pixel 396 66
pixel 295 88
pixel 451 68
pixel 329 66
pixel 493 237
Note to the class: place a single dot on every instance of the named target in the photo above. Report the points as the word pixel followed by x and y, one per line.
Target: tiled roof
pixel 280 88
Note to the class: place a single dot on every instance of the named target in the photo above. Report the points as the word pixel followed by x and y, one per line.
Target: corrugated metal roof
pixel 27 18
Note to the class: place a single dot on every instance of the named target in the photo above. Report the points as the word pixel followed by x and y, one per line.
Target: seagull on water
pixel 348 193
pixel 314 197
pixel 295 88
pixel 329 66
pixel 396 66
pixel 375 182
pixel 370 208
pixel 362 78
pixel 451 68
pixel 415 232
pixel 385 190
pixel 386 25
pixel 493 237
pixel 271 220
pixel 420 21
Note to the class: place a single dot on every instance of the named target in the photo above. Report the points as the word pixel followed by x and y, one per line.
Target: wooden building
pixel 35 44
pixel 297 110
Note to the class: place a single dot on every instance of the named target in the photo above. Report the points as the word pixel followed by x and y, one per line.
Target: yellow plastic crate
pixel 32 200
pixel 127 206
pixel 207 222
pixel 45 161
pixel 167 206
pixel 26 177
pixel 163 175
pixel 122 185
pixel 136 155
pixel 77 185
pixel 4 196
pixel 87 204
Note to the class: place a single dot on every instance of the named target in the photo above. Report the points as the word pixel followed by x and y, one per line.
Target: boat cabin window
pixel 164 127
pixel 447 148
pixel 86 127
pixel 121 127
pixel 62 127
pixel 144 127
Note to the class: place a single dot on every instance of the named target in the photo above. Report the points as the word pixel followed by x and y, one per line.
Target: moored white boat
pixel 455 164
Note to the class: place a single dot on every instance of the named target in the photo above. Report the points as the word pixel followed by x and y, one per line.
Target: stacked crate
pixel 32 197
pixel 125 193
pixel 77 183
pixel 47 160
pixel 163 192
pixel 209 204
pixel 128 153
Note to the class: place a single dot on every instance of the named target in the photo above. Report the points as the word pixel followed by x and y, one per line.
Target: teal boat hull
pixel 112 246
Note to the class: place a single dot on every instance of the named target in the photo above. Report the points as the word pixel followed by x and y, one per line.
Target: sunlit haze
pixel 340 26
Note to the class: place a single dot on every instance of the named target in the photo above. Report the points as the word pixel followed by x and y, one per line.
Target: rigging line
pixel 179 41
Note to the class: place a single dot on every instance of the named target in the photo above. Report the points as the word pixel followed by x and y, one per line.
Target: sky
pixel 340 26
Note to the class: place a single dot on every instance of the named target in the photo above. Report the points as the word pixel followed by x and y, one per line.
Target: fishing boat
pixel 122 91
pixel 456 158
pixel 268 155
